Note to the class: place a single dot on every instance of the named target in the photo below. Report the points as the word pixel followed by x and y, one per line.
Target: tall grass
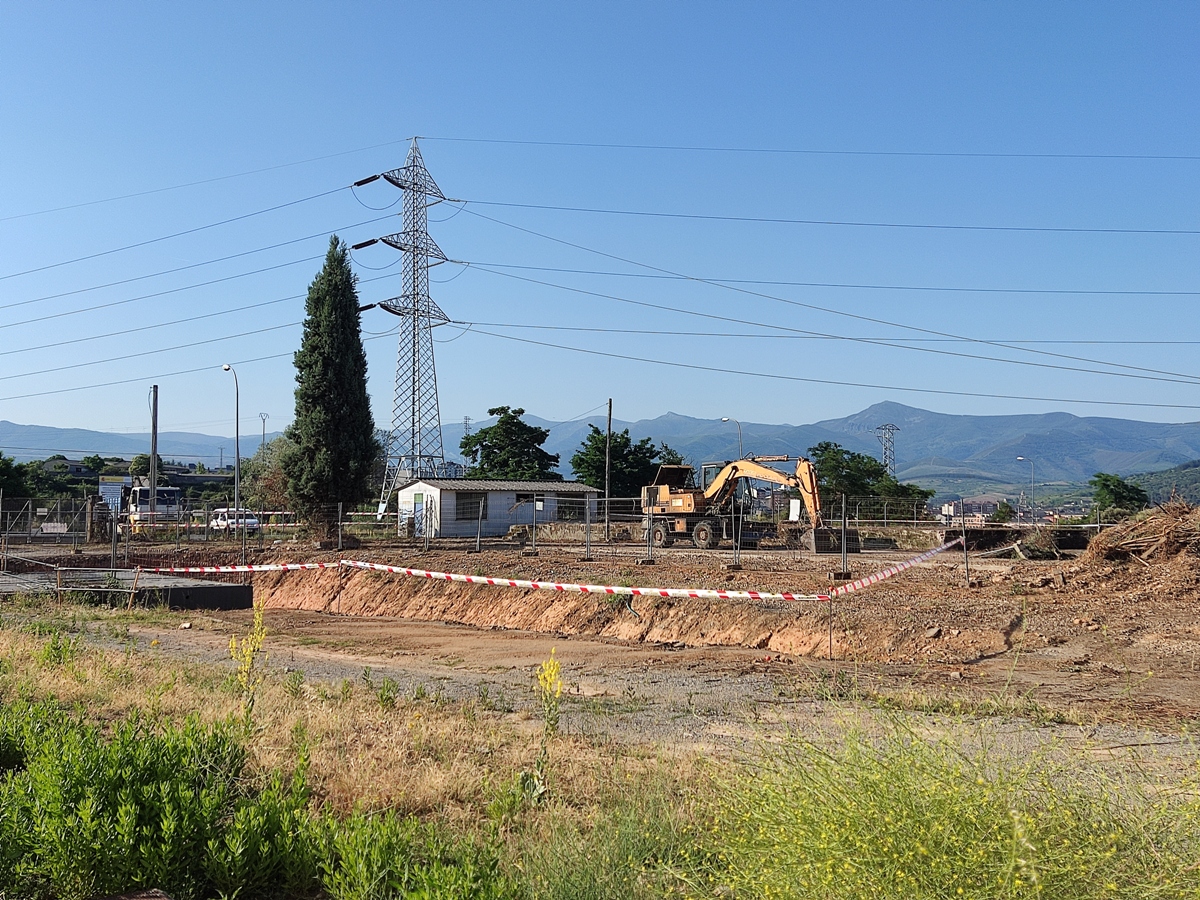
pixel 916 818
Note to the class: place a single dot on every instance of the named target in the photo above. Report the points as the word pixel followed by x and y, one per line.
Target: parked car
pixel 233 521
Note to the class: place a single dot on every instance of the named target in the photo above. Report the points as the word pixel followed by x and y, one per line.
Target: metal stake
pixel 845 562
pixel 966 559
pixel 479 522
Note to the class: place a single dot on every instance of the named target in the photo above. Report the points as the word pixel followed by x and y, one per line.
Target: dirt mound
pixel 1161 533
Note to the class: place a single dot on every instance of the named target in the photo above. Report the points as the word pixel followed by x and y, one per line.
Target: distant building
pixel 72 467
pixel 459 507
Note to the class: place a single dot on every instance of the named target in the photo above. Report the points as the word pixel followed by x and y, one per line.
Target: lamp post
pixel 1032 501
pixel 264 418
pixel 739 425
pixel 237 460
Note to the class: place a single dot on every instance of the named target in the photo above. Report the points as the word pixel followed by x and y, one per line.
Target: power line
pixel 144 378
pixel 1182 379
pixel 207 262
pixel 812 306
pixel 796 337
pixel 855 285
pixel 800 151
pixel 826 381
pixel 125 356
pixel 167 237
pixel 163 293
pixel 127 331
pixel 202 181
pixel 835 222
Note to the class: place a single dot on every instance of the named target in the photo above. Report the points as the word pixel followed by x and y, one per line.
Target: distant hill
pixel 1183 481
pixel 957 455
pixel 25 442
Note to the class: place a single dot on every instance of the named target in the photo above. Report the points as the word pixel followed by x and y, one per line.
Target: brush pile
pixel 1160 533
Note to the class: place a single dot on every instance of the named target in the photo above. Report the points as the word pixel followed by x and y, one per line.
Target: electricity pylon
pixel 886 435
pixel 413 448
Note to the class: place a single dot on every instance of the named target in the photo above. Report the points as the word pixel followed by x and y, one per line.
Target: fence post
pixel 479 522
pixel 339 525
pixel 587 528
pixel 112 526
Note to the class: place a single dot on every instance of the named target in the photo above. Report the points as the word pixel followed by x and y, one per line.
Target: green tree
pixel 631 465
pixel 333 433
pixel 95 462
pixel 1004 513
pixel 842 471
pixel 668 456
pixel 12 478
pixel 1114 492
pixel 140 465
pixel 511 448
pixel 264 484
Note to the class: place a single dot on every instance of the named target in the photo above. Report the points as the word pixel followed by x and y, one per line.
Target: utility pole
pixel 153 453
pixel 607 471
pixel 263 445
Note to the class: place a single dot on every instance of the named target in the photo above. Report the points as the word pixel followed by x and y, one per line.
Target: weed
pixel 489 701
pixel 293 684
pixel 905 816
pixel 388 693
pixel 58 651
pixel 367 678
pixel 246 653
pixel 418 693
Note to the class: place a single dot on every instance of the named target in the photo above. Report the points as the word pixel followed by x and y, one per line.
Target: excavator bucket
pixel 829 540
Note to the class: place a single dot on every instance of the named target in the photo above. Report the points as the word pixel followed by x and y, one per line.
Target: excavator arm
pixel 804 480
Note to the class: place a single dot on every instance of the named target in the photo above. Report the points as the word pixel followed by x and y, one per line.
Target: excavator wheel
pixel 660 535
pixel 706 535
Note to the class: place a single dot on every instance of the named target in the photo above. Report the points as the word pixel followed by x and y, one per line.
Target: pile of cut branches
pixel 1161 533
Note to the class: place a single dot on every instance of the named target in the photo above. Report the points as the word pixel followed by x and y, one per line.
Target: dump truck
pixel 676 508
pixel 143 517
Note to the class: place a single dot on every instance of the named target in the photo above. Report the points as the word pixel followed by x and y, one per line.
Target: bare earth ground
pixel 1098 642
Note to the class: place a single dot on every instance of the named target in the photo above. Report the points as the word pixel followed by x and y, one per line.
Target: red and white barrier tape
pixel 214 570
pixel 608 589
pixel 887 573
pixel 693 593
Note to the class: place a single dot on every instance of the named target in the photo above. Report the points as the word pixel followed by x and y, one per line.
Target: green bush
pixel 910 817
pixel 386 857
pixel 85 815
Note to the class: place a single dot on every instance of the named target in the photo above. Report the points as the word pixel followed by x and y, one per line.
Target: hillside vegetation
pixel 1183 480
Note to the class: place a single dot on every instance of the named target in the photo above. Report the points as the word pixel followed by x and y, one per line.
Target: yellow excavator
pixel 676 507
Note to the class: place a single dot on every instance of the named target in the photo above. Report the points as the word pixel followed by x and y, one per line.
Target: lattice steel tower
pixel 413 448
pixel 886 435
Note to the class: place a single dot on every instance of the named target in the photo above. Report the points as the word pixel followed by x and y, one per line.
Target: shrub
pixel 85 815
pixel 914 818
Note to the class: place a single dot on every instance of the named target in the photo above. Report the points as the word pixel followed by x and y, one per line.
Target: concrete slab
pixel 152 588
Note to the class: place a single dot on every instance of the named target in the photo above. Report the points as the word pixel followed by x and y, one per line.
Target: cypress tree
pixel 333 433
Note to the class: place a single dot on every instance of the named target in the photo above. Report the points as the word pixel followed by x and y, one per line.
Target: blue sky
pixel 103 100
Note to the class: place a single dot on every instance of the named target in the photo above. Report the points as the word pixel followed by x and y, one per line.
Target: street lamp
pixel 237 460
pixel 1032 502
pixel 739 425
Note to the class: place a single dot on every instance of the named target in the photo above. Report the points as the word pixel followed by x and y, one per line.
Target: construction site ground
pixel 1076 639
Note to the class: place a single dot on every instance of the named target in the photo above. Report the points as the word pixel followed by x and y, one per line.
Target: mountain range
pixel 954 453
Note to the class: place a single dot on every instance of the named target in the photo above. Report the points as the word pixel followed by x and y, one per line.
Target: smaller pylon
pixel 886 434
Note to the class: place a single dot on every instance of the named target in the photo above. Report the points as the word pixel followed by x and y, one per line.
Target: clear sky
pixel 1005 115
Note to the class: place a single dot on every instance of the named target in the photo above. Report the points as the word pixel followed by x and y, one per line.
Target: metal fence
pixel 572 522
